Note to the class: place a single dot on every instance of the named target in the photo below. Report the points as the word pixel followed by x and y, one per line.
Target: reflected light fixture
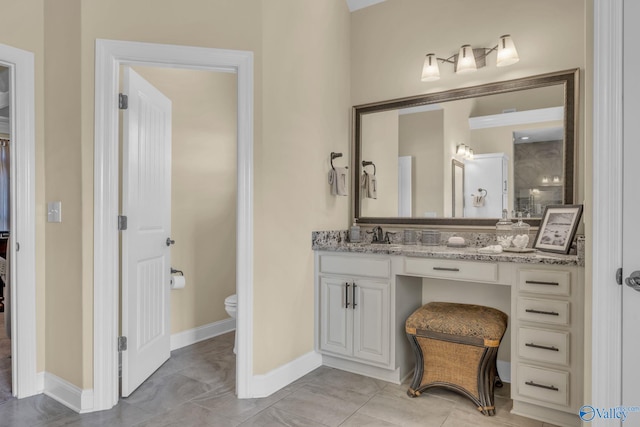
pixel 469 59
pixel 464 151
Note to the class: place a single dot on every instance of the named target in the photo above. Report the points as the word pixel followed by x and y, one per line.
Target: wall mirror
pixel 461 156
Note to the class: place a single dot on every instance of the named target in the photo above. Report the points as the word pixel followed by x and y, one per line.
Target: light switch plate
pixel 54 212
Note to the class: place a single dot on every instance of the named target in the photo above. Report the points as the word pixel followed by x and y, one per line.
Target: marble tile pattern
pixel 336 241
pixel 196 388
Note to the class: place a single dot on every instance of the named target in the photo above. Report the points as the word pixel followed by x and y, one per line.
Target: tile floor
pixel 196 388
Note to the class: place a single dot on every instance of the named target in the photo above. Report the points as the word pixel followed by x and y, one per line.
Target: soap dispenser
pixel 354 233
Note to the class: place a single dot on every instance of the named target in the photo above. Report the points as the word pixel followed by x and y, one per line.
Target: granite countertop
pixel 337 242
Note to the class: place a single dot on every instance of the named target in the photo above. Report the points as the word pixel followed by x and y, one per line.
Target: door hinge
pixel 122 222
pixel 122 343
pixel 123 101
pixel 619 276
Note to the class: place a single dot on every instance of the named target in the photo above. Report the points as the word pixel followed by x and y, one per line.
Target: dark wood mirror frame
pixel 568 78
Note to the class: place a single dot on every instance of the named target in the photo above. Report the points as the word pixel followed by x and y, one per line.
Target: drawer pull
pixel 445 269
pixel 546 387
pixel 544 347
pixel 550 313
pixel 536 282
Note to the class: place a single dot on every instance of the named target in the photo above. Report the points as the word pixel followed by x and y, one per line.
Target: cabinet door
pixel 371 321
pixel 336 320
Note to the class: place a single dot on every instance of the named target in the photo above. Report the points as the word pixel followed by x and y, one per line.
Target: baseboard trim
pixel 267 384
pixel 68 394
pixel 40 382
pixel 201 333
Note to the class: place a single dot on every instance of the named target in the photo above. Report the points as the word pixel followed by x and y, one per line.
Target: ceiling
pixel 361 4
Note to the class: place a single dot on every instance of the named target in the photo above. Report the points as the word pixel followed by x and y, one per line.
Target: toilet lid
pixel 231 300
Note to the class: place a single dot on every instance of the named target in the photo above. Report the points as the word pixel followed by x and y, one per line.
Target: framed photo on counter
pixel 558 228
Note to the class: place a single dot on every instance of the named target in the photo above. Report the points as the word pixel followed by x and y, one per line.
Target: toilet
pixel 231 305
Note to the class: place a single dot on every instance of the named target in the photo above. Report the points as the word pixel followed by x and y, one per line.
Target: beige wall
pixel 63 150
pixel 306 116
pixel 203 190
pixel 22 27
pixel 456 132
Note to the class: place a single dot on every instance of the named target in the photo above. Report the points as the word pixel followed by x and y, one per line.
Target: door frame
pixel 25 380
pixel 110 54
pixel 606 204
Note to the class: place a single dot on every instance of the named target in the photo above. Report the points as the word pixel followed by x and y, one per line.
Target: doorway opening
pixel 110 55
pixel 178 182
pixel 18 212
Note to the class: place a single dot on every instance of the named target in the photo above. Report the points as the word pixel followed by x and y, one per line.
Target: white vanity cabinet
pixel 364 299
pixel 360 327
pixel 354 315
pixel 548 350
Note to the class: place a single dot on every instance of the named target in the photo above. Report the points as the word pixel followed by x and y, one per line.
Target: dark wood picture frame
pixel 558 228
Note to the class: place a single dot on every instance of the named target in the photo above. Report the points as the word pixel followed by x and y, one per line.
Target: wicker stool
pixel 455 346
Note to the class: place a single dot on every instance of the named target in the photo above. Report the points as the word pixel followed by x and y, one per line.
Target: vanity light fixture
pixel 469 59
pixel 464 151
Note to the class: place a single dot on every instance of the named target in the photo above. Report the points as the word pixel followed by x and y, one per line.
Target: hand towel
pixel 369 185
pixel 338 181
pixel 493 249
pixel 478 201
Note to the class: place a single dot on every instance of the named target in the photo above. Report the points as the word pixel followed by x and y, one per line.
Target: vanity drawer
pixel 553 312
pixel 455 270
pixel 358 266
pixel 543 345
pixel 543 384
pixel 548 282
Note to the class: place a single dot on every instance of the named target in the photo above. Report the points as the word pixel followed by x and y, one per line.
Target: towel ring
pixel 366 163
pixel 483 192
pixel 335 156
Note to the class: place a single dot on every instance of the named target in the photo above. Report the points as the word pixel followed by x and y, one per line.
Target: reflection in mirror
pixel 457 188
pixel 525 125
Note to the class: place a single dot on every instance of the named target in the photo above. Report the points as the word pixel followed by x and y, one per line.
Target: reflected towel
pixel 338 181
pixel 369 185
pixel 478 201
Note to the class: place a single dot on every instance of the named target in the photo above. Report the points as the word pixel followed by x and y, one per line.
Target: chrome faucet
pixel 378 236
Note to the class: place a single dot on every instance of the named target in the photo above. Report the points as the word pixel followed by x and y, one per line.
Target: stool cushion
pixel 485 325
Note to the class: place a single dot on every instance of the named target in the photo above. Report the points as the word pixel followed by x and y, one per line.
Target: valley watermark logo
pixel 589 413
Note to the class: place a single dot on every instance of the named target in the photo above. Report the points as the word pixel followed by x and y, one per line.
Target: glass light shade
pixel 466 61
pixel 430 69
pixel 461 150
pixel 470 156
pixel 545 179
pixel 507 53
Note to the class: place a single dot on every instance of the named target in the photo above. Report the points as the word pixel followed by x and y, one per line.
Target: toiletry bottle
pixel 354 233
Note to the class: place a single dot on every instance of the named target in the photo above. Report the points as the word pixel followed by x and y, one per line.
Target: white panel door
pixel 336 319
pixel 371 321
pixel 630 217
pixel 146 198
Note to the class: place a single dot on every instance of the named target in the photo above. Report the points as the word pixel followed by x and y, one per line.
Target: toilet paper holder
pixel 174 271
